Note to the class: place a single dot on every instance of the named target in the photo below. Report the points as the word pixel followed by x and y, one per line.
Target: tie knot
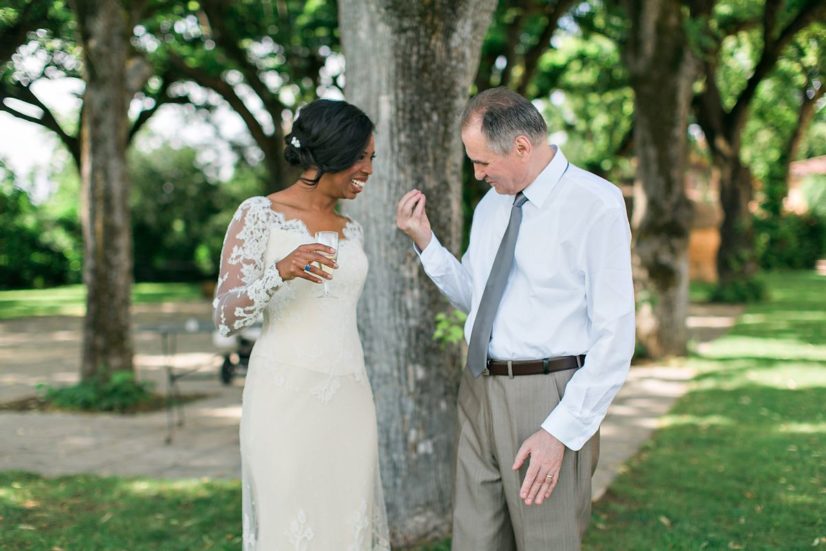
pixel 519 200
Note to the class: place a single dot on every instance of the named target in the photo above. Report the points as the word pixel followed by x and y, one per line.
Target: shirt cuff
pixel 568 429
pixel 428 253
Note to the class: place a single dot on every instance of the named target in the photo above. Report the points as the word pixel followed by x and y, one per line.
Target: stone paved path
pixel 38 350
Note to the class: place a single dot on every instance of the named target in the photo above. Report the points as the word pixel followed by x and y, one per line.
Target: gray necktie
pixel 477 356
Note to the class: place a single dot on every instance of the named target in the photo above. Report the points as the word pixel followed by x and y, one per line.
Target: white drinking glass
pixel 330 239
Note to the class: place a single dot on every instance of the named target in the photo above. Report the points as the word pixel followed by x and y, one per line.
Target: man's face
pixel 504 172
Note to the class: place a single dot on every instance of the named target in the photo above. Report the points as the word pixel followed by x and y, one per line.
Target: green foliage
pixel 179 215
pixel 738 463
pixel 106 513
pixel 450 327
pixel 173 209
pixel 27 257
pixel 277 49
pixel 790 241
pixel 593 105
pixel 739 291
pixel 120 393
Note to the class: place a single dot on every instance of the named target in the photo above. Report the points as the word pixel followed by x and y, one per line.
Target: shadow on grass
pixel 734 469
pixel 102 513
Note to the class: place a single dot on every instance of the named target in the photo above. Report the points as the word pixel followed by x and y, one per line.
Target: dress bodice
pixel 301 329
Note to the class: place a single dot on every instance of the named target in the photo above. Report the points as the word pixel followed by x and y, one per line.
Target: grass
pixel 740 462
pixel 70 300
pixel 103 513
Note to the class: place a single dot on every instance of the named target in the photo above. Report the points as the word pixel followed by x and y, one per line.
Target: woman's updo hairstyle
pixel 329 136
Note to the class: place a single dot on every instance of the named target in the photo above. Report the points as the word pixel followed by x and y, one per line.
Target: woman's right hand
pixel 306 256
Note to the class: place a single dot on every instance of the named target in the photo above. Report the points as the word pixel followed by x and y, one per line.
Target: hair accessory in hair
pixel 295 142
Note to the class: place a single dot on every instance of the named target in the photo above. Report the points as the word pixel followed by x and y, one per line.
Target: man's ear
pixel 523 147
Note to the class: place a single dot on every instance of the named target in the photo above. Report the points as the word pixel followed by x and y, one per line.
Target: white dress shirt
pixel 569 291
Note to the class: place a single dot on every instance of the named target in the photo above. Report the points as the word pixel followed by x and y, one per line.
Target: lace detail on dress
pixel 353 231
pixel 300 533
pixel 245 287
pixel 250 521
pixel 367 530
pixel 327 389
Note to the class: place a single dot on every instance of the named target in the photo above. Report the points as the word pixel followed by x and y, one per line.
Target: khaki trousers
pixel 497 414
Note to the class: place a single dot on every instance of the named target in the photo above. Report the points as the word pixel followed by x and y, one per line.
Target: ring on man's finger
pixel 549 477
pixel 307 268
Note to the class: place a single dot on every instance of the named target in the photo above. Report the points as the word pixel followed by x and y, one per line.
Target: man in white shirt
pixel 548 274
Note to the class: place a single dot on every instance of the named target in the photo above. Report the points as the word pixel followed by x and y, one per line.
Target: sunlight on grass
pixel 803 428
pixel 762 348
pixel 738 463
pixel 695 420
pixel 70 300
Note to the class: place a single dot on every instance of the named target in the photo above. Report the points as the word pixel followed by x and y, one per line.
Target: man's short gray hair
pixel 504 115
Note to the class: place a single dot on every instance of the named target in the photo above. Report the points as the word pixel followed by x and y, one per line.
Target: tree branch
pixel 216 12
pixel 226 91
pixel 512 32
pixel 770 16
pixel 771 52
pixel 47 120
pixel 553 13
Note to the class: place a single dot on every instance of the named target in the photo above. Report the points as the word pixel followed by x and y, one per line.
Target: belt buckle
pixel 510 369
pixel 486 371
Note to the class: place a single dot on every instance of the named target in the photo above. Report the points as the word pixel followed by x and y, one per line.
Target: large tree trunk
pixel 662 71
pixel 737 257
pixel 410 65
pixel 107 271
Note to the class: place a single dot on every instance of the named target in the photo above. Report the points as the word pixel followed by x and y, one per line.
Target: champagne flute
pixel 330 239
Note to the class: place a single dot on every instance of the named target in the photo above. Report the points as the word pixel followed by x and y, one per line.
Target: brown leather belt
pixel 512 368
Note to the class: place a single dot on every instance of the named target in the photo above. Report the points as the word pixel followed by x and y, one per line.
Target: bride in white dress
pixel 308 428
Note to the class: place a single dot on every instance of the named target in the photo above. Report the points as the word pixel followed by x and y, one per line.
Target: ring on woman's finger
pixel 549 477
pixel 307 268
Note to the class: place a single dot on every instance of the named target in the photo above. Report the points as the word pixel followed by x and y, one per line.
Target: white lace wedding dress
pixel 308 428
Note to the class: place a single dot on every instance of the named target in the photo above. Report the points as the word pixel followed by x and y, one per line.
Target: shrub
pixel 790 241
pixel 120 394
pixel 739 291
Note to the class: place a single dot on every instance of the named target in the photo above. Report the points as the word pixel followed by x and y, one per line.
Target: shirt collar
pixel 541 187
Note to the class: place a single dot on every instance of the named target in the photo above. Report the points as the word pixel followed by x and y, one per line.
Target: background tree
pixel 410 66
pixel 26 258
pixel 787 103
pixel 723 117
pixel 263 58
pixel 519 36
pixel 662 70
pixel 104 29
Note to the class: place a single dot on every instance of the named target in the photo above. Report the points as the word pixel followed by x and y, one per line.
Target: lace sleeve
pixel 245 285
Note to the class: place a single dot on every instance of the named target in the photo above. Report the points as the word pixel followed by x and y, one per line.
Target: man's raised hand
pixel 411 218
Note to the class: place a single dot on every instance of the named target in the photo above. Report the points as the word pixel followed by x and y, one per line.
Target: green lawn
pixel 96 513
pixel 741 460
pixel 70 300
pixel 739 464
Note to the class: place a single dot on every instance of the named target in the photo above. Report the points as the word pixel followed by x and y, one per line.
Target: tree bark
pixel 662 70
pixel 104 31
pixel 409 66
